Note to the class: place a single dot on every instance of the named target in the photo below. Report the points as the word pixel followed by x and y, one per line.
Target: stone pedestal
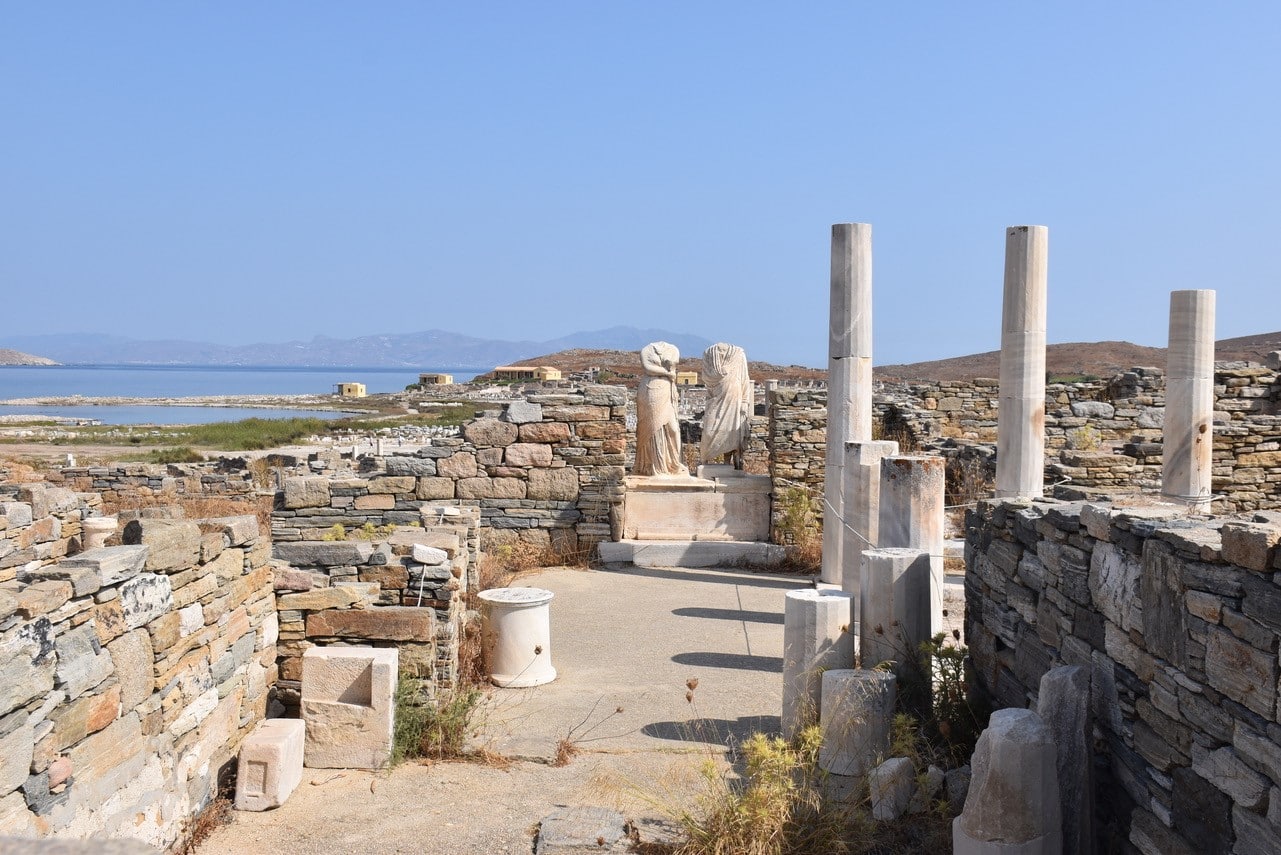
pixel 94 532
pixel 1020 444
pixel 849 374
pixel 731 506
pixel 862 498
pixel 897 587
pixel 517 636
pixel 857 709
pixel 1188 444
pixel 816 637
pixel 911 517
pixel 348 705
pixel 1013 802
pixel 270 764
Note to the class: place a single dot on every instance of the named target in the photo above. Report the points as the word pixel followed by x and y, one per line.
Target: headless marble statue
pixel 658 433
pixel 730 400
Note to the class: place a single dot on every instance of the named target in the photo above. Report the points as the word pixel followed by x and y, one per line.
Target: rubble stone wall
pixel 546 470
pixel 128 674
pixel 1179 622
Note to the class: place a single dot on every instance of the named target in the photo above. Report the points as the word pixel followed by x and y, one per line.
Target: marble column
pixel 856 716
pixel 849 375
pixel 912 516
pixel 862 494
pixel 816 637
pixel 1189 401
pixel 1020 443
pixel 897 586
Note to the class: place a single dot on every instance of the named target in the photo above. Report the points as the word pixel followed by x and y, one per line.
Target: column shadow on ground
pixel 729 614
pixel 714 731
pixel 730 576
pixel 741 661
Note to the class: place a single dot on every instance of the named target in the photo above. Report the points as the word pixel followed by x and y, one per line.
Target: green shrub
pixel 431 728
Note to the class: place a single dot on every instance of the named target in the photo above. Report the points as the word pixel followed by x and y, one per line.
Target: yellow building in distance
pixel 526 372
pixel 686 378
pixel 435 379
pixel 350 390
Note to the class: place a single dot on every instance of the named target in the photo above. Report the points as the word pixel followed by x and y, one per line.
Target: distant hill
pixel 624 365
pixel 1101 359
pixel 427 349
pixel 14 357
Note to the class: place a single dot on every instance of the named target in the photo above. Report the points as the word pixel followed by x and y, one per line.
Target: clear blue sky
pixel 239 172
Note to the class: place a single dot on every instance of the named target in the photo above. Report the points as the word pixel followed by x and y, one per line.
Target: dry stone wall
pixel 1179 622
pixel 128 674
pixel 121 482
pixel 1100 435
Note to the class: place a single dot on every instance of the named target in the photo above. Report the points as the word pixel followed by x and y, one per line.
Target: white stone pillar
pixel 862 494
pixel 1013 802
pixel 517 636
pixel 816 637
pixel 857 711
pixel 1020 432
pixel 1189 400
pixel 911 517
pixel 896 605
pixel 849 375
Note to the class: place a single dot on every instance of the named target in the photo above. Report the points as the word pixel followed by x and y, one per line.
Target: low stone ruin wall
pixel 1099 435
pixel 124 481
pixel 128 675
pixel 1179 621
pixel 545 471
pixel 382 592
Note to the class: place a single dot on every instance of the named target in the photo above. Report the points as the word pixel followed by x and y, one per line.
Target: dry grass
pixel 197 507
pixel 197 829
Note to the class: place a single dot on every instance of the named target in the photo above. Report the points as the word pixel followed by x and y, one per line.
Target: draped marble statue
pixel 658 432
pixel 727 421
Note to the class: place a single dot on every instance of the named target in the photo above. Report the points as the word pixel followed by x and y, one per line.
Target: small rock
pixel 891 785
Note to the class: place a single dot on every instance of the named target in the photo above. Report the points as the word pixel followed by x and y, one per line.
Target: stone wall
pixel 1100 435
pixel 797 437
pixel 405 588
pixel 546 471
pixel 1179 621
pixel 129 673
pixel 123 481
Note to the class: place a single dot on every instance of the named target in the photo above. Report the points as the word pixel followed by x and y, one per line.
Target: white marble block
pixel 912 516
pixel 890 787
pixel 1013 802
pixel 270 764
pixel 857 709
pixel 816 636
pixel 862 498
pixel 517 636
pixel 896 606
pixel 348 704
pixel 1020 432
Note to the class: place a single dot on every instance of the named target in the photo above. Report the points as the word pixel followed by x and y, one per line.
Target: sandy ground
pixel 624 638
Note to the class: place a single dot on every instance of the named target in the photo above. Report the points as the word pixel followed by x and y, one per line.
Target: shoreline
pixel 266 402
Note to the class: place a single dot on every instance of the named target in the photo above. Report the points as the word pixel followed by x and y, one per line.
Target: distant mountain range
pixel 428 349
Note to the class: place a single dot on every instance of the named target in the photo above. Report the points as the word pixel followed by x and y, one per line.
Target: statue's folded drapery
pixel 658 433
pixel 730 399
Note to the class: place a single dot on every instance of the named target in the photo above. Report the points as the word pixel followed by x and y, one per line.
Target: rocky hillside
pixel 1100 359
pixel 624 365
pixel 14 357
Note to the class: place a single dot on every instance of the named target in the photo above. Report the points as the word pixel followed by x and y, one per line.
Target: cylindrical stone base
pixel 517 636
pixel 896 605
pixel 94 531
pixel 857 711
pixel 816 637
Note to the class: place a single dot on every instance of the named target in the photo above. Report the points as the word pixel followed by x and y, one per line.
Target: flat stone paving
pixel 622 637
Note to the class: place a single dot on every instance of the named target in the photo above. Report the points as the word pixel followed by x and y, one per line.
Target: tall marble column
pixel 849 376
pixel 911 516
pixel 1020 432
pixel 1189 400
